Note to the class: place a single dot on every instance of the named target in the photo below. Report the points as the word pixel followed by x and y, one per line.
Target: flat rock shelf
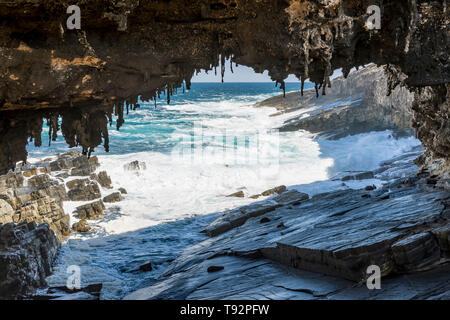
pixel 320 248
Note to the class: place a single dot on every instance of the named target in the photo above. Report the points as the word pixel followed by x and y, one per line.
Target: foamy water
pixel 197 151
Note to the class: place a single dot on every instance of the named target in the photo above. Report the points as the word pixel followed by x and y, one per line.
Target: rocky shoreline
pixel 296 246
pixel 33 223
pixel 351 106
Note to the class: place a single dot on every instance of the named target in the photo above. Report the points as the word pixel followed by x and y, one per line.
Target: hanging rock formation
pixel 130 48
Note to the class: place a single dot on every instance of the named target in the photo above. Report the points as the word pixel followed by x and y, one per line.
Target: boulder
pixel 135 166
pixel 123 191
pixel 113 197
pixel 276 190
pixel 83 190
pixel 239 194
pixel 81 226
pixel 91 211
pixel 102 178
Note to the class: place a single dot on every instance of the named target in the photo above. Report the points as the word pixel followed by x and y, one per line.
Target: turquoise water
pixel 150 128
pixel 208 143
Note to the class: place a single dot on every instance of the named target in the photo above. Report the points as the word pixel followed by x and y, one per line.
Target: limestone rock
pixel 83 190
pixel 45 210
pixel 84 166
pixel 113 197
pixel 103 179
pixel 91 211
pixel 81 226
pixel 276 190
pixel 11 180
pixel 239 194
pixel 135 166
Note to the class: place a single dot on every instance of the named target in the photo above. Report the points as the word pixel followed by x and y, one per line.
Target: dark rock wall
pixel 27 252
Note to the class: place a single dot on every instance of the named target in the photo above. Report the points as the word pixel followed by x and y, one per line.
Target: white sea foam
pixel 173 188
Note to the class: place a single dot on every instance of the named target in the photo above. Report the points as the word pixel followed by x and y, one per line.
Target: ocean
pixel 208 143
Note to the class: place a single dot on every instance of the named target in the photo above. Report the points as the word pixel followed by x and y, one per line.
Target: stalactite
pixel 222 66
pixel 119 114
pixel 302 79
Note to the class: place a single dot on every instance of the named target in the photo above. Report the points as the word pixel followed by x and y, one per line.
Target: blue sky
pixel 242 74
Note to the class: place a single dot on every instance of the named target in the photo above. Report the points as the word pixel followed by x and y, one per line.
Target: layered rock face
pixel 32 220
pixel 354 105
pixel 128 48
pixel 292 246
pixel 27 253
pixel 40 201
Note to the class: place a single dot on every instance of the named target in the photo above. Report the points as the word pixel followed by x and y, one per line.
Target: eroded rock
pixel 91 211
pixel 103 179
pixel 135 166
pixel 83 190
pixel 239 194
pixel 27 253
pixel 81 226
pixel 113 197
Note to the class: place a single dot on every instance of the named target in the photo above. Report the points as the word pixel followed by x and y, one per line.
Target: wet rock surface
pixel 91 211
pixel 354 105
pixel 84 190
pixel 113 197
pixel 90 292
pixel 81 226
pixel 103 179
pixel 27 252
pixel 320 248
pixel 135 166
